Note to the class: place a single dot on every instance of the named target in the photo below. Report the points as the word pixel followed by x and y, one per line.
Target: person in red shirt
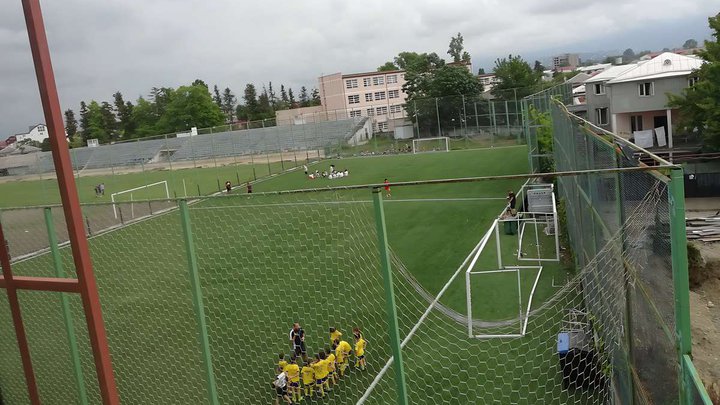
pixel 387 188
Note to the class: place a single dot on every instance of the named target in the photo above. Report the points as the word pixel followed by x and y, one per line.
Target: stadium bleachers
pixel 221 144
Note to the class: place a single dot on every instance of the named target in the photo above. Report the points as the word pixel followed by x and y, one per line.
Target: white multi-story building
pixel 36 133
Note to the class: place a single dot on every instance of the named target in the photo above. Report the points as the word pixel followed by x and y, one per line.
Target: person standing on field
pixel 305 169
pixel 249 187
pixel 387 188
pixel 297 339
pixel 228 186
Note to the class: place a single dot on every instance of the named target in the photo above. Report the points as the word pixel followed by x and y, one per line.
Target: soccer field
pixel 268 260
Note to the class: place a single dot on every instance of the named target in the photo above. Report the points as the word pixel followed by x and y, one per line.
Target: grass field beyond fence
pixel 267 261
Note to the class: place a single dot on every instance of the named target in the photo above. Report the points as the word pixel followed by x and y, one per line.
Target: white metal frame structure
pixel 132 209
pixel 538 215
pixel 523 316
pixel 418 140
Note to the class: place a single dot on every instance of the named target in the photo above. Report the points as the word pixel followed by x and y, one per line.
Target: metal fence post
pixel 198 303
pixel 67 315
pixel 390 299
pixel 678 245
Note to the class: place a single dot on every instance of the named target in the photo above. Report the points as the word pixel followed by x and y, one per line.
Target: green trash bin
pixel 511 227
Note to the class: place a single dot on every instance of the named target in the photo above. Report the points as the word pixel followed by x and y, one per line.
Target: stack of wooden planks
pixel 704 229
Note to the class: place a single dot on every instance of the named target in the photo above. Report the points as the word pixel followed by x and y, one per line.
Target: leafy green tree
pixel 414 62
pixel 456 49
pixel 699 105
pixel 481 71
pixel 515 78
pixel 543 127
pixel 538 68
pixel 388 66
pixel 45 145
pixel 628 56
pixel 96 123
pixel 144 118
pixel 199 82
pixel 304 97
pixel 71 124
pixel 265 107
pixel 690 44
pixel 190 106
pixel 217 99
pixel 229 101
pixel 457 87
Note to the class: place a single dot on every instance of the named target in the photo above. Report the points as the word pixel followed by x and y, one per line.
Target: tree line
pixel 166 110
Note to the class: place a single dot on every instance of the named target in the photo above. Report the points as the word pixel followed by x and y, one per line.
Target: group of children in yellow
pixel 318 374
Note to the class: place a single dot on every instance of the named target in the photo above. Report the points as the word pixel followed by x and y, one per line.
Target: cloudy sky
pixel 101 46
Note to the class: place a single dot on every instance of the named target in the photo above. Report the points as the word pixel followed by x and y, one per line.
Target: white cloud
pixel 99 47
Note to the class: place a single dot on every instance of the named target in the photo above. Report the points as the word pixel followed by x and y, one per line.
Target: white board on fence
pixel 644 139
pixel 540 200
pixel 404 132
pixel 660 136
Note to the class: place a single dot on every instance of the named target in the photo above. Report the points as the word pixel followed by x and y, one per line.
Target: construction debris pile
pixel 703 229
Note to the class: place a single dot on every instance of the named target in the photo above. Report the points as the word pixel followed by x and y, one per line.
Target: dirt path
pixel 705 319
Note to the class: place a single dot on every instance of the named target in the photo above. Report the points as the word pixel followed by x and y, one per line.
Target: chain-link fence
pixel 627 231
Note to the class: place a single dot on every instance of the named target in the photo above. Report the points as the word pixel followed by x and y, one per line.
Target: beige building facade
pixel 377 95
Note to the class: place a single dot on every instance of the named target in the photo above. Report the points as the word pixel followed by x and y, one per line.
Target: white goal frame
pixel 523 316
pixel 132 211
pixel 418 140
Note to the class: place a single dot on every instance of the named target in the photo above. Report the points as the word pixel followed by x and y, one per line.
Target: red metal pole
pixel 17 322
pixel 70 200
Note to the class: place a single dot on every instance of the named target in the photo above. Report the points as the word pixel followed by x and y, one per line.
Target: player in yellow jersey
pixel 320 368
pixel 332 377
pixel 281 363
pixel 308 378
pixel 342 354
pixel 335 336
pixel 293 375
pixel 359 349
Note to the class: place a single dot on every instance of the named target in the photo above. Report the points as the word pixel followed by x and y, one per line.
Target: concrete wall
pixel 362 135
pixel 299 116
pixel 626 98
pixel 623 121
pixel 332 92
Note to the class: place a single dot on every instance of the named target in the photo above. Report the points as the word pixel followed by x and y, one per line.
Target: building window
pixel 382 126
pixel 392 79
pixel 355 113
pixel 379 95
pixel 351 84
pixel 636 122
pixel 599 89
pixel 368 96
pixel 692 81
pixel 394 94
pixel 382 110
pixel 601 115
pixel 366 82
pixel 378 80
pixel 370 112
pixel 354 99
pixel 396 109
pixel 646 89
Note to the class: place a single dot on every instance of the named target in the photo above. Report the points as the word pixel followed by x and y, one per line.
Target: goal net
pixel 150 191
pixel 439 144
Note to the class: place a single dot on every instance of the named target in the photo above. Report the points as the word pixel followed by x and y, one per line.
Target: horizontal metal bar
pixel 42 284
pixel 400 184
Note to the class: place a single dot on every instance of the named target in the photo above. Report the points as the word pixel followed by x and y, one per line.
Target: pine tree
pixel 71 124
pixel 315 97
pixel 84 123
pixel 304 98
pixel 271 95
pixel 228 104
pixel 291 98
pixel 216 96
